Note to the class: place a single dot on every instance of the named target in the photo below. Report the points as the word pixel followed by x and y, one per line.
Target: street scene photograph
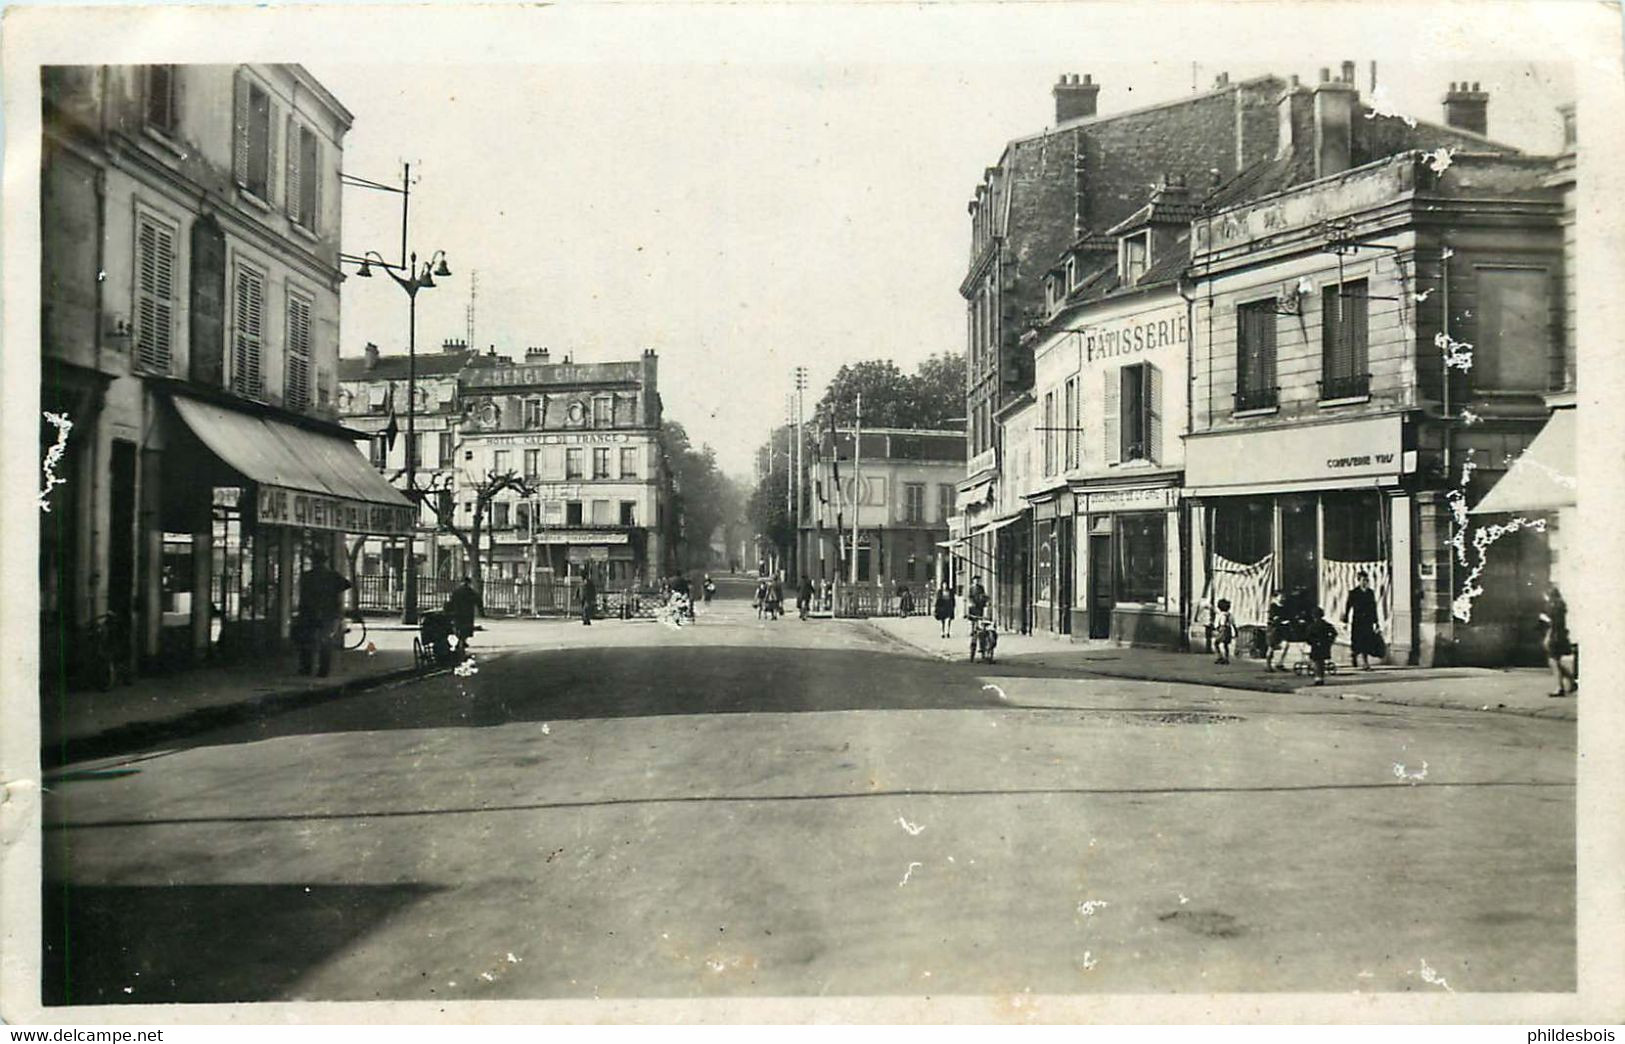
pixel 809 527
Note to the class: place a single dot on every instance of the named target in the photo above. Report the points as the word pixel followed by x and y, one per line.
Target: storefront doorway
pixel 1300 557
pixel 1100 585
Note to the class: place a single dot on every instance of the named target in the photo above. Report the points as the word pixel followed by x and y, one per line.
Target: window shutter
pixel 273 153
pixel 249 319
pixel 297 394
pixel 313 220
pixel 1355 310
pixel 294 195
pixel 1153 409
pixel 1110 417
pixel 239 152
pixel 155 313
pixel 553 463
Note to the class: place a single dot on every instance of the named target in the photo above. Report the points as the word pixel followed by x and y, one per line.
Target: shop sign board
pixel 1158 498
pixel 280 506
pixel 1358 449
pixel 1134 335
pixel 580 537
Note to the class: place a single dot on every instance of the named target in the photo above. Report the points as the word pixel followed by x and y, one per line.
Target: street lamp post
pixel 415 278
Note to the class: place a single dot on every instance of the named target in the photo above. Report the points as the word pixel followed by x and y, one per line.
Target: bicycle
pixel 984 638
pixel 354 634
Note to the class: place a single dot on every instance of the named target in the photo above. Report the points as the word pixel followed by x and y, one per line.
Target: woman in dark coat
pixel 945 607
pixel 1361 616
pixel 1558 645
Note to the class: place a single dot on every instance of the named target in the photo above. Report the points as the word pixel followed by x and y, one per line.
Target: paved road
pixel 744 808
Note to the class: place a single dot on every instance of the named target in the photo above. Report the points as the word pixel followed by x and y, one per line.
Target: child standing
pixel 1224 630
pixel 1320 638
pixel 1205 617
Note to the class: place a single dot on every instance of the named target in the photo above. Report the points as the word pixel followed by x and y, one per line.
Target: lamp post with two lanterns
pixel 410 276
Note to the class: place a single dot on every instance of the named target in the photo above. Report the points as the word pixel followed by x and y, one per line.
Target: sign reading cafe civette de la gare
pixel 1130 336
pixel 280 506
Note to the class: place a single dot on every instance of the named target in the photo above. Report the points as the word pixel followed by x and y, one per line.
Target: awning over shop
pixel 998 524
pixel 1543 476
pixel 303 478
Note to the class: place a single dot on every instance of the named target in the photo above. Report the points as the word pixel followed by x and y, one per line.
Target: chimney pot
pixel 1294 79
pixel 1325 75
pixel 1075 100
pixel 1466 108
pixel 1348 72
pixel 372 354
pixel 1475 86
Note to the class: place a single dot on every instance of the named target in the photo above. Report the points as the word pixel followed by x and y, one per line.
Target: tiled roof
pixel 429 364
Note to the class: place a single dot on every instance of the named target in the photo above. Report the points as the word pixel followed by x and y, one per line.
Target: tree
pixel 442 502
pixel 700 498
pixel 767 509
pixel 928 398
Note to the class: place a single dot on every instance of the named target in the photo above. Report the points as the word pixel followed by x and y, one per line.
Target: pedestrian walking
pixel 320 612
pixel 775 596
pixel 1555 621
pixel 589 599
pixel 1277 630
pixel 945 608
pixel 710 588
pixel 1320 636
pixel 1224 630
pixel 1361 617
pixel 461 606
pixel 760 601
pixel 804 596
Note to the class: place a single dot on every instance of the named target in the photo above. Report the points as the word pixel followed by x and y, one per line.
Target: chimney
pixel 1221 80
pixel 1074 100
pixel 536 355
pixel 1348 73
pixel 1467 108
pixel 371 352
pixel 1294 119
pixel 1335 102
pixel 453 345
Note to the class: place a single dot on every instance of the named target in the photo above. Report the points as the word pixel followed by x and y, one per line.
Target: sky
pixel 742 218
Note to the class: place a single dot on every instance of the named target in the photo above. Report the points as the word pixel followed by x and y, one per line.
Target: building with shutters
pixel 189 318
pixel 1109 396
pixel 372 393
pixel 894 498
pixel 586 438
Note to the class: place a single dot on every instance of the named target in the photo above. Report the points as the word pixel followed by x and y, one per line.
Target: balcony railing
pixel 1257 399
pixel 1349 386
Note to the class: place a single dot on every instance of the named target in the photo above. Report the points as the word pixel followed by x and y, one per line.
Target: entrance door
pixel 1100 586
pixel 1300 555
pixel 1064 572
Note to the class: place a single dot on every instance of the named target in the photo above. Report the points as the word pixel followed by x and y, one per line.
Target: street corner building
pixel 1286 341
pixel 190 222
pixel 581 439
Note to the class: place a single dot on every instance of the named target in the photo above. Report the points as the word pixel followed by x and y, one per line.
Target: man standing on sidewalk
pixel 320 591
pixel 462 605
pixel 589 599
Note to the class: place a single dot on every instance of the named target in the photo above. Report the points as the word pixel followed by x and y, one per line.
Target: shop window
pixel 1241 555
pixel 914 503
pixel 249 343
pixel 1343 336
pixel 1142 557
pixel 600 462
pixel 162 106
pixel 629 462
pixel 1255 356
pixel 155 293
pixel 572 462
pixel 1353 541
pixel 572 512
pixel 1514 347
pixel 629 513
pixel 296 393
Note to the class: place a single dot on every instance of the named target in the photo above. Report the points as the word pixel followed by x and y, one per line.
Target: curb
pixel 123 739
pixel 1242 685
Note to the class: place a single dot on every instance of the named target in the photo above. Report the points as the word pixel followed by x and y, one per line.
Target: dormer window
pixel 603 411
pixel 1135 257
pixel 1071 276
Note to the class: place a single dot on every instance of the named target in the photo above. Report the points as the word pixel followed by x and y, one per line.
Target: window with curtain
pixel 629 462
pixel 573 462
pixel 1343 327
pixel 1255 356
pixel 600 462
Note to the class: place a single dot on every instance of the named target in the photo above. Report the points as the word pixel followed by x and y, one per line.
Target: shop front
pixel 1305 510
pixel 247 498
pixel 1130 564
pixel 1053 557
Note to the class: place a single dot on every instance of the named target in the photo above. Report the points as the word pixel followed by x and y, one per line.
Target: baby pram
pixel 432 647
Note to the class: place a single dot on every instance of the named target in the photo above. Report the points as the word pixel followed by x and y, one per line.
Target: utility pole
pixel 857 487
pixel 801 474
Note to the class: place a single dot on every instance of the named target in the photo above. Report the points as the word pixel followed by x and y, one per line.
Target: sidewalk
pixel 1513 690
pixel 152 709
